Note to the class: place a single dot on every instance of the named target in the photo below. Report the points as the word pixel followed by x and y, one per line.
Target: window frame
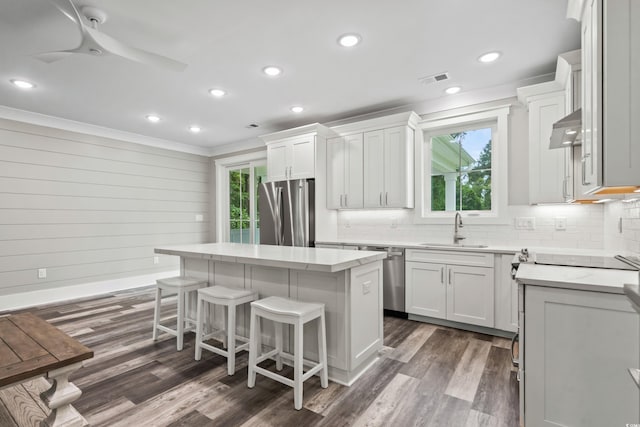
pixel 223 167
pixel 497 119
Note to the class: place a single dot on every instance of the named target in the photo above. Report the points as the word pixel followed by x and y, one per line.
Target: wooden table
pixel 31 347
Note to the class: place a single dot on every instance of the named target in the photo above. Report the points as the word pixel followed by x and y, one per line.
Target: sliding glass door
pixel 243 215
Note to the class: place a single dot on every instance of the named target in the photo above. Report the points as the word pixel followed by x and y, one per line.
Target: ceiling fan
pixel 95 42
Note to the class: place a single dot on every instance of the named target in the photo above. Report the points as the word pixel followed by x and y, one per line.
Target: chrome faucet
pixel 457 225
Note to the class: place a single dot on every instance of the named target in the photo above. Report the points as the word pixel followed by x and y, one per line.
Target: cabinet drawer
pixel 478 259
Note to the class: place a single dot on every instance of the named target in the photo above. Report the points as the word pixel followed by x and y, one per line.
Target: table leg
pixel 59 398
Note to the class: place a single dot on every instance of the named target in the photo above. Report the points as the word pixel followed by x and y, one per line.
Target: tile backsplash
pixel 584 227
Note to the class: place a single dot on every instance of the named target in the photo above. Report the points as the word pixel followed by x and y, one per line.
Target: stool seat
pixel 184 287
pixel 230 298
pixel 181 282
pixel 287 307
pixel 284 311
pixel 222 292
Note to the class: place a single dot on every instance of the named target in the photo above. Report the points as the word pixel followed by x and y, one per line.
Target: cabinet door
pixel 506 302
pixel 335 172
pixel 426 292
pixel 578 347
pixel 277 164
pixel 547 167
pixel 591 94
pixel 373 169
pixel 398 169
pixel 353 174
pixel 470 295
pixel 303 158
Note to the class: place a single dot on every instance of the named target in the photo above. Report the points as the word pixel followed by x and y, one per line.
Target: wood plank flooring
pixel 427 375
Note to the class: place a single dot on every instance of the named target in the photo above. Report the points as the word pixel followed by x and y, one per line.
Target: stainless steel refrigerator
pixel 287 212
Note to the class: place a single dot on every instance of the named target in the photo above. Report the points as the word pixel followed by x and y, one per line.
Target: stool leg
pixel 225 314
pixel 199 326
pixel 180 319
pixel 322 352
pixel 156 313
pixel 254 333
pixel 297 365
pixel 279 328
pixel 231 339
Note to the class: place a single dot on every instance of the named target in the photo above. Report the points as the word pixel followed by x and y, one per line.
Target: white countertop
pixel 296 258
pixel 496 249
pixel 579 278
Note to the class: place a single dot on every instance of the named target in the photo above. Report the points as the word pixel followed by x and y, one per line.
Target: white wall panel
pixel 92 209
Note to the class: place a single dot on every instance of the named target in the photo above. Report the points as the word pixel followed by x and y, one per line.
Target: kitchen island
pixel 349 283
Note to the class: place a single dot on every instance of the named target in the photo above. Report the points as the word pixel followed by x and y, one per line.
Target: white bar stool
pixel 181 286
pixel 231 299
pixel 296 313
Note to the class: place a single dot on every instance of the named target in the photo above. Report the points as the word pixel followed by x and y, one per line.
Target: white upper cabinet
pixel 370 165
pixel 344 172
pixel 611 95
pixel 291 154
pixel 388 168
pixel 548 169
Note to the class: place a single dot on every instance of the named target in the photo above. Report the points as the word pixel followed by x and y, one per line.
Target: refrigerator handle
pixel 277 218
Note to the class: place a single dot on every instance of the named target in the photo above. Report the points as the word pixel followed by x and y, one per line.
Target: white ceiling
pixel 227 43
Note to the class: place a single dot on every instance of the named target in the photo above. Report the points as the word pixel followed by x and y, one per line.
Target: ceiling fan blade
pixel 50 57
pixel 69 10
pixel 116 47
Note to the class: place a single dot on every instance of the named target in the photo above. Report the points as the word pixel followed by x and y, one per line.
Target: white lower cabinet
pixel 460 293
pixel 578 346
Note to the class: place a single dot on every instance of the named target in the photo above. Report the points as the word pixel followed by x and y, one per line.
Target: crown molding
pixel 86 128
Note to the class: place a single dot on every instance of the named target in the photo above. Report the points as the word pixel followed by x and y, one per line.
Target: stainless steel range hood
pixel 567 131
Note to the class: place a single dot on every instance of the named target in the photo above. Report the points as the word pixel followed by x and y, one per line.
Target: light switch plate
pixel 199 217
pixel 42 273
pixel 156 260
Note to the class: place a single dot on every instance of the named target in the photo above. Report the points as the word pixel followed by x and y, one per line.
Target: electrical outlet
pixel 42 273
pixel 525 223
pixel 156 260
pixel 394 222
pixel 347 224
pixel 199 217
pixel 366 287
pixel 561 223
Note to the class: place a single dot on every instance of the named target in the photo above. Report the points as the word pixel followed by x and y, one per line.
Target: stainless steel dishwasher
pixel 393 279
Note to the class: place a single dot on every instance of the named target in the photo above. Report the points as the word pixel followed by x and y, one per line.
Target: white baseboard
pixel 66 293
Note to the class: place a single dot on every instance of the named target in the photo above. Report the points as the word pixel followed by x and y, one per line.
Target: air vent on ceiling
pixel 252 125
pixel 435 78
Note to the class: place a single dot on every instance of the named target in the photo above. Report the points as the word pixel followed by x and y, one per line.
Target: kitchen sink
pixel 453 245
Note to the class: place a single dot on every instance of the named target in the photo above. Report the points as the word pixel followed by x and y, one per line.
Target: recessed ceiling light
pixel 349 40
pixel 22 84
pixel 153 118
pixel 453 89
pixel 194 129
pixel 489 57
pixel 218 93
pixel 272 71
pixel 297 109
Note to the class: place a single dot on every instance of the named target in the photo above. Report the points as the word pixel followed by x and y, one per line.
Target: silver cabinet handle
pixel 341 200
pixel 584 168
pixel 381 198
pixel 386 199
pixel 564 188
pixel 449 276
pixel 286 172
pixel 346 205
pixel 442 275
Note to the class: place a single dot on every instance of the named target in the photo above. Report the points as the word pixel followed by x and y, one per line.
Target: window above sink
pixel 461 165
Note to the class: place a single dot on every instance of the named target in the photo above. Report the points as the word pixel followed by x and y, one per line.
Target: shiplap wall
pixel 91 209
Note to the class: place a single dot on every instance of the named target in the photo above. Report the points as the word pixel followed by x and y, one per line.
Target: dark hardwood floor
pixel 427 375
